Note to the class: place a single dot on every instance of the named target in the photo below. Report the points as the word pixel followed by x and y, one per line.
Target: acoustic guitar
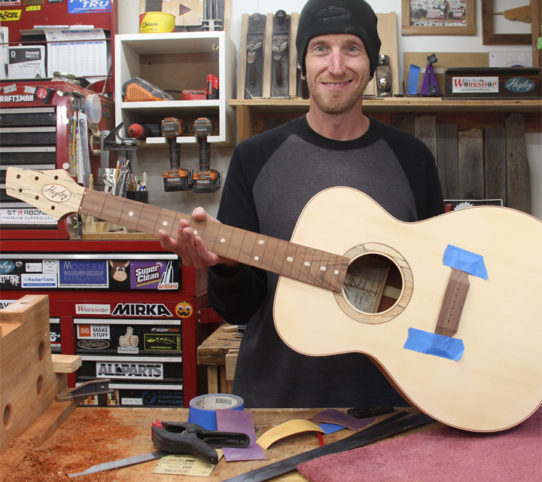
pixel 450 308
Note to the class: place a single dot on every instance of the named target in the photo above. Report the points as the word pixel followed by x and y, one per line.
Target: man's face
pixel 338 71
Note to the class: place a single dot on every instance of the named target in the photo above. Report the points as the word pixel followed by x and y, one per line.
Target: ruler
pixel 117 464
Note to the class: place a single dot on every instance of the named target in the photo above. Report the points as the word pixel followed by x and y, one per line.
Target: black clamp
pixel 191 438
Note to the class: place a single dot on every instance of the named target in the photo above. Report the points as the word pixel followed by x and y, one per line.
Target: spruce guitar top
pixel 450 308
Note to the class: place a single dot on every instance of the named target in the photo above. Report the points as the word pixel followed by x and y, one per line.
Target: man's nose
pixel 336 62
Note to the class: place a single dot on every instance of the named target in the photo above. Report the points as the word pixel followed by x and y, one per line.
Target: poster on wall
pixel 88 6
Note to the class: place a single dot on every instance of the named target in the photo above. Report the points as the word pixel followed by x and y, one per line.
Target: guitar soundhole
pixel 373 283
pixel 378 284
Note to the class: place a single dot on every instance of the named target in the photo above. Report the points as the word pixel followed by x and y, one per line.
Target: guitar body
pixel 497 382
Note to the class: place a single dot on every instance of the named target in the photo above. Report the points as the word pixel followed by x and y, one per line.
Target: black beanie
pixel 321 17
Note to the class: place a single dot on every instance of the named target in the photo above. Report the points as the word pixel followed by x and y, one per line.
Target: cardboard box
pixel 492 83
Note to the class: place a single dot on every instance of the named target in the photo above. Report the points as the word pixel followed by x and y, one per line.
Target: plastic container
pixel 156 22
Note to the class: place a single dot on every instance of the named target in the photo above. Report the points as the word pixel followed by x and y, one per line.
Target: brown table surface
pixel 94 435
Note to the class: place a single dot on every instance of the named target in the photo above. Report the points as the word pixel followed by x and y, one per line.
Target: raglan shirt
pixel 271 178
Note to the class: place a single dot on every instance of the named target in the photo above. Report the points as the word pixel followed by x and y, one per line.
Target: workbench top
pixel 94 435
pixel 89 436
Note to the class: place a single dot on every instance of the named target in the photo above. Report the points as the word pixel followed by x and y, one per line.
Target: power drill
pixel 205 179
pixel 176 179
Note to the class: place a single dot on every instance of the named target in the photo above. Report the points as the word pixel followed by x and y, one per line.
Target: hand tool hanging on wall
pixel 212 20
pixel 204 179
pixel 176 179
pixel 280 47
pixel 254 52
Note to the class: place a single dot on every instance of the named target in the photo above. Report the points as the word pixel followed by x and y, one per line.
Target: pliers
pixel 191 438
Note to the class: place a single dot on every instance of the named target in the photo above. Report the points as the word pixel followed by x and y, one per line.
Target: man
pixel 274 174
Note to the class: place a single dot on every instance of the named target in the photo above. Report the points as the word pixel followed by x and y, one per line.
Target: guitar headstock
pixel 52 191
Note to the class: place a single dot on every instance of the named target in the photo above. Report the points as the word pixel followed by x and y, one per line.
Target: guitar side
pixel 497 383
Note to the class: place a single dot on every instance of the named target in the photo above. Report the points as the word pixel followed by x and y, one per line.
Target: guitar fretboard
pixel 309 265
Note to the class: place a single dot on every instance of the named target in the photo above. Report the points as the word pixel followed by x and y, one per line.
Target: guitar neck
pixel 309 265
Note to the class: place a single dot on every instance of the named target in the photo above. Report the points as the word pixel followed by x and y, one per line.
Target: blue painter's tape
pixel 434 344
pixel 460 259
pixel 202 409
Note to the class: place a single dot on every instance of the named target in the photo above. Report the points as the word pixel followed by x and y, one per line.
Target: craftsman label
pixel 135 371
pixel 479 85
pixel 93 332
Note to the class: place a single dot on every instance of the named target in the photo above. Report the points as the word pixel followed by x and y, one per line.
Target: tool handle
pixel 175 443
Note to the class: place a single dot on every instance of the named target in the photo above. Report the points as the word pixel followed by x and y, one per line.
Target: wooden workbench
pixel 218 353
pixel 94 435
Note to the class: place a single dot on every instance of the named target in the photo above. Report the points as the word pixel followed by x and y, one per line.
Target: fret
pixel 252 251
pixel 168 221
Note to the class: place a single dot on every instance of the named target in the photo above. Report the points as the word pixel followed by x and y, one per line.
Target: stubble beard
pixel 339 103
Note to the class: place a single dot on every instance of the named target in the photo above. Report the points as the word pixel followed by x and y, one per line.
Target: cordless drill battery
pixel 204 179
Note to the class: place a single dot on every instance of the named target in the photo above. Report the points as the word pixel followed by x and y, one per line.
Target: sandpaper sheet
pixel 443 454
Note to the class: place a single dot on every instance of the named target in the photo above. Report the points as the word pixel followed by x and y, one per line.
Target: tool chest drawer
pixel 127 369
pixel 139 395
pixel 102 336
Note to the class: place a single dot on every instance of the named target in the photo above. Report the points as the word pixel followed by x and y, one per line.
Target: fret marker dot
pixel 222 240
pixel 130 213
pixel 336 272
pixel 307 264
pixel 261 241
pixel 195 232
pixel 290 259
pixel 323 268
pixel 164 223
pixel 256 258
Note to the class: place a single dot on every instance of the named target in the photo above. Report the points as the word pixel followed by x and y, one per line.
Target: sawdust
pixel 86 443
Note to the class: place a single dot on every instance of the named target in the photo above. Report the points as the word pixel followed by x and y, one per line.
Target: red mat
pixel 443 454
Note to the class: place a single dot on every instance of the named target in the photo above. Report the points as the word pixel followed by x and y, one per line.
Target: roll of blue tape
pixel 202 409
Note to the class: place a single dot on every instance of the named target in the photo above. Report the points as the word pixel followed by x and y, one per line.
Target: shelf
pixel 402 104
pixel 174 62
pixel 250 111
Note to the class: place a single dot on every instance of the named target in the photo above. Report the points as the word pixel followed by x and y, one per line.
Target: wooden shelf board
pixel 404 104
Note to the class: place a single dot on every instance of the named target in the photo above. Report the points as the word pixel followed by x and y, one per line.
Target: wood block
pixel 425 129
pixel 495 163
pixel 471 164
pixel 66 363
pixel 517 165
pixel 28 384
pixel 447 160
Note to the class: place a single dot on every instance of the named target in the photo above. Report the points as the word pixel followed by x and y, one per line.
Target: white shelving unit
pixel 175 62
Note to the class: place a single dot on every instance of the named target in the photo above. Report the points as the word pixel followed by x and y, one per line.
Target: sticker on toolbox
pixel 154 275
pixel 127 368
pixel 129 337
pixel 83 273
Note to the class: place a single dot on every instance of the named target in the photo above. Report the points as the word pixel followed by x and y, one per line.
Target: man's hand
pixel 191 248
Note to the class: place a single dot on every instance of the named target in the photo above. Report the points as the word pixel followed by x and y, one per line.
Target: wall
pixel 128 23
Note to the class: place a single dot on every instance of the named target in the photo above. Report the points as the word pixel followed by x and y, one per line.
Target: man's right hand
pixel 190 247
